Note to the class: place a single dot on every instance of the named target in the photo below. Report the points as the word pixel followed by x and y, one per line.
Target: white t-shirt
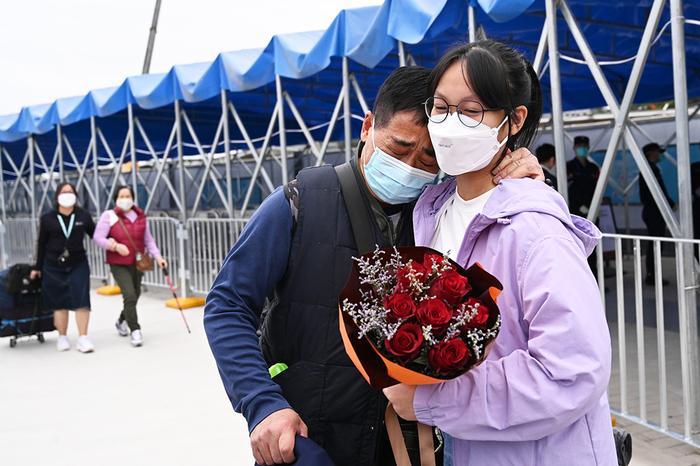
pixel 453 219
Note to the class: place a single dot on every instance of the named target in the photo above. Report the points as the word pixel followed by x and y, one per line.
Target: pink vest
pixel 137 230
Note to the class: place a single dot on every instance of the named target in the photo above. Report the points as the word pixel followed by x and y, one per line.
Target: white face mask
pixel 460 149
pixel 125 204
pixel 67 199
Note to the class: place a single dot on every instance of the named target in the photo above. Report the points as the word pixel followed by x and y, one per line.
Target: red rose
pixel 406 342
pixel 416 270
pixel 400 305
pixel 434 312
pixel 450 286
pixel 482 313
pixel 448 356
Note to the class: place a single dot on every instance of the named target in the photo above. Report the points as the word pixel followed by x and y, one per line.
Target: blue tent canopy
pixel 310 64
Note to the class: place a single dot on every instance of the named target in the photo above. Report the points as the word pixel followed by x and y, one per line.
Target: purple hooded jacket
pixel 540 396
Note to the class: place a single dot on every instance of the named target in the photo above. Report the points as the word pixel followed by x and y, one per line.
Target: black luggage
pixel 20 305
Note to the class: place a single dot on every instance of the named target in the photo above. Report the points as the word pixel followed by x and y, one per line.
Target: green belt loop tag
pixel 277 369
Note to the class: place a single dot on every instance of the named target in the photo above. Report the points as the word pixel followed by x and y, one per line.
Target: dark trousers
pixel 655 227
pixel 129 281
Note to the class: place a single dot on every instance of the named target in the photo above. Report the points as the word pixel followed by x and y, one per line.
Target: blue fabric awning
pixel 310 65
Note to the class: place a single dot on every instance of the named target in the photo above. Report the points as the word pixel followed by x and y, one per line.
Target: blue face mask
pixel 393 181
pixel 582 151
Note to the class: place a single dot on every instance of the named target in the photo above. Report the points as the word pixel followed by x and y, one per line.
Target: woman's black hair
pixel 60 187
pixel 502 79
pixel 119 188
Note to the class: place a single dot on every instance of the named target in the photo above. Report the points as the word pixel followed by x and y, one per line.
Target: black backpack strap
pixel 358 211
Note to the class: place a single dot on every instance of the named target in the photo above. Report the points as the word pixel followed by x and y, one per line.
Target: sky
pixel 51 49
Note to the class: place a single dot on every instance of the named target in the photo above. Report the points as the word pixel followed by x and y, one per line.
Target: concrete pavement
pixel 161 404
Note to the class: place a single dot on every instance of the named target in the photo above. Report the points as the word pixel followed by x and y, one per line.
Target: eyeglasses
pixel 469 112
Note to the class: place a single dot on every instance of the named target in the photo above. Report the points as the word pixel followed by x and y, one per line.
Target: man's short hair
pixel 652 146
pixel 581 141
pixel 406 89
pixel 544 153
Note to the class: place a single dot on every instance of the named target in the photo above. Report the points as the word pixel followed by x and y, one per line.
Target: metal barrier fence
pixel 209 241
pixel 18 245
pixel 96 259
pixel 18 240
pixel 657 329
pixel 165 232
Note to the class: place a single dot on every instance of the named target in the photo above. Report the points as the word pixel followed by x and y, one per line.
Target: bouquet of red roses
pixel 414 316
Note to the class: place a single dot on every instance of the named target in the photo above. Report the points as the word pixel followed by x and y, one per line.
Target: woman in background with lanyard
pixel 62 264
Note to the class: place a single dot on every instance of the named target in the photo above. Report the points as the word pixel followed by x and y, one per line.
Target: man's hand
pixel 401 398
pixel 34 274
pixel 518 164
pixel 272 440
pixel 162 263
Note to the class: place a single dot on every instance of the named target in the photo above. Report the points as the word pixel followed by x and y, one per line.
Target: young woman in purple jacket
pixel 539 399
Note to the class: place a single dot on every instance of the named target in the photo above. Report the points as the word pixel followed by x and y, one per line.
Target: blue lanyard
pixel 67 232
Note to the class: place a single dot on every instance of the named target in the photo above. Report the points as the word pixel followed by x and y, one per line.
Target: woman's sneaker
pixel 122 328
pixel 136 338
pixel 63 343
pixel 85 345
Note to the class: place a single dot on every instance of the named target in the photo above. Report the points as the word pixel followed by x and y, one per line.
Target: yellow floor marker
pixel 186 303
pixel 109 290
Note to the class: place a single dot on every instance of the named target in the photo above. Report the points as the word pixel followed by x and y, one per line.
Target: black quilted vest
pixel 343 413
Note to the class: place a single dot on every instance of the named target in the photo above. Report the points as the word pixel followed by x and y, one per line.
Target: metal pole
pixel 151 39
pixel 282 130
pixel 59 143
pixel 359 95
pixel 555 86
pixel 402 57
pixel 180 163
pixel 259 161
pixel 625 182
pixel 227 151
pixel 182 233
pixel 132 149
pixel 331 125
pixel 3 217
pixel 302 125
pixel 689 336
pixel 541 50
pixel 3 212
pixel 472 23
pixel 30 154
pixel 251 147
pixel 347 123
pixel 95 165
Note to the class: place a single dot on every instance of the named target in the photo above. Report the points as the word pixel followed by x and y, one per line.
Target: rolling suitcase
pixel 20 306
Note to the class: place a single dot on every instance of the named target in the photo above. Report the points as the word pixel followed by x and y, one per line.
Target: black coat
pixel 650 211
pixel 51 241
pixel 582 179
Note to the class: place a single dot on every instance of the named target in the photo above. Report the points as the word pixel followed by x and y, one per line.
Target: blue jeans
pixel 448 450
